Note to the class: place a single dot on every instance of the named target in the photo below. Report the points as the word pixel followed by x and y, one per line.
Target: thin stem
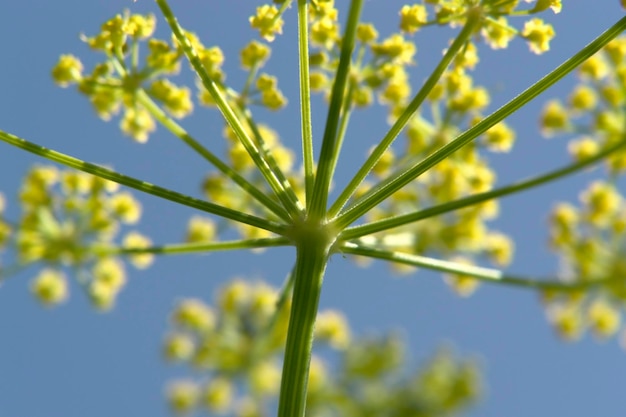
pixel 182 134
pixel 390 223
pixel 189 248
pixel 305 98
pixel 472 21
pixel 228 113
pixel 143 186
pixel 346 111
pixel 399 180
pixel 483 274
pixel 246 115
pixel 319 201
pixel 312 256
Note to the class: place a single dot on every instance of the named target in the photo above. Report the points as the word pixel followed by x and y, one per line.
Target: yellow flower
pixel 137 123
pixel 538 34
pixel 366 32
pixel 183 396
pixel 554 117
pixel 595 67
pixel 264 378
pixel 604 319
pixel 126 207
pixel 195 315
pixel 67 71
pixel 396 49
pixel 324 32
pixel 412 17
pixel 218 395
pixel 178 347
pixel 267 21
pixel 567 320
pixel 110 272
pixel 254 54
pixel 135 240
pixel 332 327
pixel 499 248
pixel 141 27
pixel 583 148
pixel 498 33
pixel 583 98
pixel 50 287
pixel 200 229
pixel 500 138
pixel 233 296
pixel 602 201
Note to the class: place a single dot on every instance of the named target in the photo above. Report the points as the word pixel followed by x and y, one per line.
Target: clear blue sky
pixel 74 362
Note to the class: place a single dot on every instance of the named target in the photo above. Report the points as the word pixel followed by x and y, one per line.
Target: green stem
pixel 312 255
pixel 246 115
pixel 317 209
pixel 143 186
pixel 305 98
pixel 483 274
pixel 178 131
pixel 228 113
pixel 469 28
pixel 397 181
pixel 188 248
pixel 346 111
pixel 390 223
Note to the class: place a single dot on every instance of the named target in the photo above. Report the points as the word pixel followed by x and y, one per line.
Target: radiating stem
pixel 398 180
pixel 330 142
pixel 229 115
pixel 140 185
pixel 189 248
pixel 182 134
pixel 530 183
pixel 491 275
pixel 406 115
pixel 305 97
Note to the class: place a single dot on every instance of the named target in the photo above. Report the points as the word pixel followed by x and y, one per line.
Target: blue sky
pixel 74 362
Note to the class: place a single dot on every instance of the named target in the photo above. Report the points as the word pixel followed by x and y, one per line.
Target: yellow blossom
pixel 135 240
pixel 67 71
pixel 332 327
pixel 50 287
pixel 267 21
pixel 538 34
pixel 217 395
pixel 412 17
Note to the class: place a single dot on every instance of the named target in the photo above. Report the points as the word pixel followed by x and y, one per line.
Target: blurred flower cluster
pixel 590 237
pixel 67 217
pixel 237 346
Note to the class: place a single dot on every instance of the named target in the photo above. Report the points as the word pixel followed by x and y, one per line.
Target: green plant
pixel 443 172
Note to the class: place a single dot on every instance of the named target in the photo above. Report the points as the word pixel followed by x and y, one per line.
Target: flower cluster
pixel 591 244
pixel 117 83
pixel 593 112
pixel 236 346
pixel 66 218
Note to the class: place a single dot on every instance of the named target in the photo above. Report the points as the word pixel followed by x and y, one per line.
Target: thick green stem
pixel 312 255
